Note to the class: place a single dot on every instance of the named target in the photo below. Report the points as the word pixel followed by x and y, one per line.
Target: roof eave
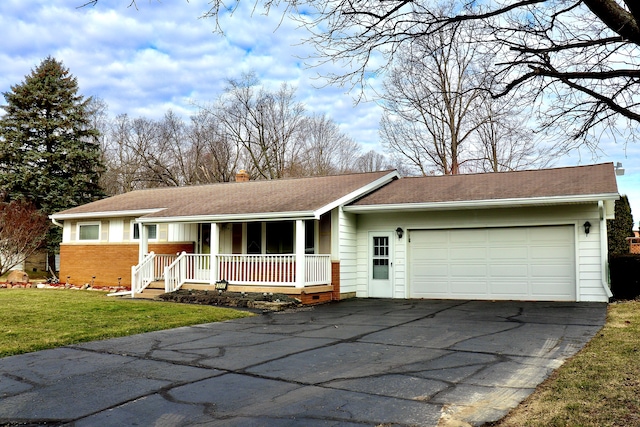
pixel 263 216
pixel 105 214
pixel 482 204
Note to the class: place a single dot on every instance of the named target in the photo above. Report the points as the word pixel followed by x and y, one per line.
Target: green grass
pixel 598 387
pixel 37 319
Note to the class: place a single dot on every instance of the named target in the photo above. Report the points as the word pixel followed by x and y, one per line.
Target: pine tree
pixel 620 228
pixel 49 153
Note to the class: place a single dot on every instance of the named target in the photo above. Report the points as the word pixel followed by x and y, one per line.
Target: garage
pixel 509 263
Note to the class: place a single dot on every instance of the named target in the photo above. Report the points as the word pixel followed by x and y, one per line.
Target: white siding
pixel 183 232
pixel 66 232
pixel 347 251
pixel 116 230
pixel 588 262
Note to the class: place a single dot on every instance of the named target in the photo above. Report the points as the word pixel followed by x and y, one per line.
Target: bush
pixel 624 271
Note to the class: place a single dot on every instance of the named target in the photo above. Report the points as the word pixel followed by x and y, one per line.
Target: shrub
pixel 624 271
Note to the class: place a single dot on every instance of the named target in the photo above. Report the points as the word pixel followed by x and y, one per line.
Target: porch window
pixel 152 230
pixel 89 231
pixel 309 237
pixel 254 238
pixel 280 237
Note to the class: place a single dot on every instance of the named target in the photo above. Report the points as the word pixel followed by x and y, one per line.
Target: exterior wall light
pixel 399 232
pixel 587 227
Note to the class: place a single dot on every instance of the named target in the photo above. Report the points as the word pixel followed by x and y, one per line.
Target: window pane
pixel 90 232
pixel 280 237
pixel 381 269
pixel 151 229
pixel 254 238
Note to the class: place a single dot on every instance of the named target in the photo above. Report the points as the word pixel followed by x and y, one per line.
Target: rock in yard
pixel 17 276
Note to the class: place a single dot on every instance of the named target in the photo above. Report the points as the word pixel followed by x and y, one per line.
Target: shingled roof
pixel 576 183
pixel 299 196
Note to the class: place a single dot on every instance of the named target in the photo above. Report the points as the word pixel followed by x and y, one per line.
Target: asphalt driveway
pixel 353 363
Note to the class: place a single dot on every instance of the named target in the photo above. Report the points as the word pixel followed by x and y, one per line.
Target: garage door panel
pixel 502 263
pixel 501 271
pixel 463 237
pixel 510 288
pixel 466 288
pixel 508 253
pixel 468 253
pixel 548 252
pixel 472 271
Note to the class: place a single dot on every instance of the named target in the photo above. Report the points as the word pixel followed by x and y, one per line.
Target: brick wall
pixel 316 298
pixel 107 262
pixel 335 280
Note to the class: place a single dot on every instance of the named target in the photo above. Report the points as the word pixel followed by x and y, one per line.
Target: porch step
pixel 158 284
pixel 149 293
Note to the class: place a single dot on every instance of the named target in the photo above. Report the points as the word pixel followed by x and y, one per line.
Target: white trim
pixel 107 214
pixel 254 217
pixel 372 186
pixel 478 204
pixel 88 223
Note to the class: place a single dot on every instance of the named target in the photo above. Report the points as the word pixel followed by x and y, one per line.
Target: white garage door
pixel 522 263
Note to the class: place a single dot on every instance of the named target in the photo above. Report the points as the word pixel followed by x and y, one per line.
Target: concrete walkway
pixel 353 363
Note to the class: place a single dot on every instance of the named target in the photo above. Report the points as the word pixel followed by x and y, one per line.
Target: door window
pixel 380 257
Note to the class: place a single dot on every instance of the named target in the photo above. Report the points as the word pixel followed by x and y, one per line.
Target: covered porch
pixel 279 256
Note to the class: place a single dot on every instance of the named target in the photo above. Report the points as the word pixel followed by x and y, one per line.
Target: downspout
pixel 55 222
pixel 604 252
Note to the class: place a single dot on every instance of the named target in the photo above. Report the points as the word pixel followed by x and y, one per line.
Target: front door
pixel 380 263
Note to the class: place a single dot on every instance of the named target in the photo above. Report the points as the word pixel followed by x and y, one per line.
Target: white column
pixel 300 255
pixel 214 248
pixel 144 242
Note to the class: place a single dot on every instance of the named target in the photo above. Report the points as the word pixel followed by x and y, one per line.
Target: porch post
pixel 214 249
pixel 300 255
pixel 144 242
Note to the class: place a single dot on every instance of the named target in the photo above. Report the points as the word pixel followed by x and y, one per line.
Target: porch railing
pixel 260 270
pixel 273 270
pixel 187 268
pixel 149 270
pixel 317 270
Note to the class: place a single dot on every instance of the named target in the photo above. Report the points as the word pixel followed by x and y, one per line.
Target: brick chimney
pixel 242 176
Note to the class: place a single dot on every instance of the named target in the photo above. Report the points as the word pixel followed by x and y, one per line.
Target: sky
pixel 161 55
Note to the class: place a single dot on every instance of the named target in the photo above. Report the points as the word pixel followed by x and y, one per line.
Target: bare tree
pixel 23 230
pixel 327 150
pixel 504 141
pixel 431 102
pixel 265 124
pixel 372 161
pixel 218 155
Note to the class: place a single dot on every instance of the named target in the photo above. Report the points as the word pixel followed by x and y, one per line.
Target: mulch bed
pixel 263 301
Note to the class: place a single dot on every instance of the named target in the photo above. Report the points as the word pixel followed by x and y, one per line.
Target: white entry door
pixel 380 265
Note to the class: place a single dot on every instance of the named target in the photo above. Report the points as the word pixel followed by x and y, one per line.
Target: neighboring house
pixel 528 235
pixel 634 243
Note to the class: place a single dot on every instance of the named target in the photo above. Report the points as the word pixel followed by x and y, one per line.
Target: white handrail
pixel 143 274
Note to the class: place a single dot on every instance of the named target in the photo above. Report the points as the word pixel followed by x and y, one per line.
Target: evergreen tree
pixel 620 228
pixel 49 151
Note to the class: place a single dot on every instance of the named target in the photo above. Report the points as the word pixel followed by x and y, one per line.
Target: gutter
pixel 604 251
pixel 481 204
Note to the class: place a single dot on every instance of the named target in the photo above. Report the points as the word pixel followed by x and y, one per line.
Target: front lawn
pixel 598 387
pixel 37 319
